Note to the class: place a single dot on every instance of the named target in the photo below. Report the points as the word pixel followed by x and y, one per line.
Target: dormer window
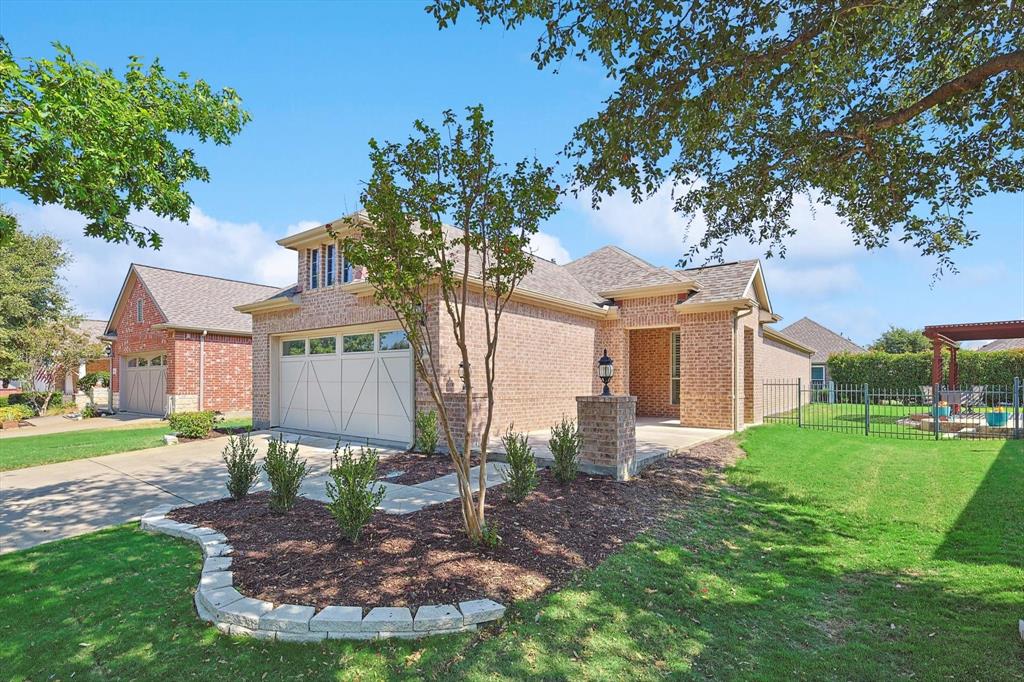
pixel 329 270
pixel 314 268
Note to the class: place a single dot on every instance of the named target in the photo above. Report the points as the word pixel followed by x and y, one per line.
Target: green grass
pixel 823 556
pixel 28 451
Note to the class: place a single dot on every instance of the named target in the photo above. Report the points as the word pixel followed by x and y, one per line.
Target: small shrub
pixel 35 399
pixel 4 401
pixel 521 475
pixel 89 411
pixel 427 435
pixel 489 537
pixel 240 458
pixel 352 495
pixel 192 424
pixel 565 448
pixel 285 471
pixel 14 413
pixel 89 381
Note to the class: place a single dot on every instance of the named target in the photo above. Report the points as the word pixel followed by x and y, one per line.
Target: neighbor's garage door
pixel 357 385
pixel 142 385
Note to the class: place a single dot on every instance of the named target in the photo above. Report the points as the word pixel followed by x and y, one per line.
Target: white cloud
pixel 549 246
pixel 652 228
pixel 205 245
pixel 813 282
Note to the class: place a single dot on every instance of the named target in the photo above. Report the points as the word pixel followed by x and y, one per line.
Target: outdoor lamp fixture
pixel 605 370
pixel 462 375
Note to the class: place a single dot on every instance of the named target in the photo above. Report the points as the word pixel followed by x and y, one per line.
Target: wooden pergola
pixel 950 336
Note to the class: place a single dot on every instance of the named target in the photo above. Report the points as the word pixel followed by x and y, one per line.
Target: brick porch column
pixel 608 427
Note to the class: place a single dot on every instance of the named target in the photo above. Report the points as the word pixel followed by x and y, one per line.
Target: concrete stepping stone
pixel 337 619
pixel 388 619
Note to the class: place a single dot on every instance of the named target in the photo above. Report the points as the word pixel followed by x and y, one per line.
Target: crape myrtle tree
pixel 31 293
pixel 79 136
pixel 409 251
pixel 898 113
pixel 53 349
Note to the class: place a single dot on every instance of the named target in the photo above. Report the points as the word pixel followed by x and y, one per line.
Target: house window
pixel 357 343
pixel 157 361
pixel 329 270
pixel 143 362
pixel 674 368
pixel 132 362
pixel 297 347
pixel 393 340
pixel 347 272
pixel 138 310
pixel 817 376
pixel 322 345
pixel 314 268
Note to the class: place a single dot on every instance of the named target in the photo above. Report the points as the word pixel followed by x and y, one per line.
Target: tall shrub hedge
pixel 908 371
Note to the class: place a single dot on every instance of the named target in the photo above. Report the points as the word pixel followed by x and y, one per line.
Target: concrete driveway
pixel 45 503
pixel 60 424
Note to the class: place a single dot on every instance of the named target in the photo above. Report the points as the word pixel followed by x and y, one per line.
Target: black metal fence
pixel 925 412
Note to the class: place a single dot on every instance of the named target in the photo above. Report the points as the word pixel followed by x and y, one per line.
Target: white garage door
pixel 358 385
pixel 143 385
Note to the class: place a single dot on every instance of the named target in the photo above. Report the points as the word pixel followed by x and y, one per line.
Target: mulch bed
pixel 424 557
pixel 416 467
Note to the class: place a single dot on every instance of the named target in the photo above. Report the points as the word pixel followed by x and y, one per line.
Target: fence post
pixel 799 403
pixel 867 411
pixel 935 410
pixel 1016 407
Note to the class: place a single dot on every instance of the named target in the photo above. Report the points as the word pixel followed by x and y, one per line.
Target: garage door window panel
pixel 322 345
pixel 357 343
pixel 293 348
pixel 395 340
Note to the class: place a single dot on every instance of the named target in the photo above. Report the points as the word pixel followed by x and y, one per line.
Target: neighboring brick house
pixel 692 345
pixel 825 344
pixel 178 344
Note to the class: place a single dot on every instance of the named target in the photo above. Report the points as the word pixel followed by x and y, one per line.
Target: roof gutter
pixel 203 330
pixel 786 341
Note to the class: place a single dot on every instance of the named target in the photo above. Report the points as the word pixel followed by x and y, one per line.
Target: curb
pixel 219 603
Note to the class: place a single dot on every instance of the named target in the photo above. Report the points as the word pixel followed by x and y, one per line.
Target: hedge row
pixel 908 371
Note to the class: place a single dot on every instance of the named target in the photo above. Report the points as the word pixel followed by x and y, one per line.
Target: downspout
pixel 736 419
pixel 202 368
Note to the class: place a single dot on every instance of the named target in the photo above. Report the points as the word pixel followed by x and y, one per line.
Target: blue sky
pixel 320 79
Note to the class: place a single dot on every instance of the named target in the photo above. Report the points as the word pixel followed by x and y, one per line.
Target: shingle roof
pixel 823 340
pixel 1004 344
pixel 723 282
pixel 610 269
pixel 199 301
pixel 94 329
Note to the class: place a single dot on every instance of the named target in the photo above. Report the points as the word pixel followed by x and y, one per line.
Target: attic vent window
pixel 138 310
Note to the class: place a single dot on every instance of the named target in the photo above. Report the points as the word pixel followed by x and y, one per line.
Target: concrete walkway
pixel 54 501
pixel 59 424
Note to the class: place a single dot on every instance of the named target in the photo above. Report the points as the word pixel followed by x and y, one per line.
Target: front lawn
pixel 821 556
pixel 29 451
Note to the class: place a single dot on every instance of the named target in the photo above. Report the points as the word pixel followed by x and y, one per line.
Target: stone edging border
pixel 218 602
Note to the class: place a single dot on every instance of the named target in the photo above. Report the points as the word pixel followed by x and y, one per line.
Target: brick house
pixel 692 345
pixel 178 344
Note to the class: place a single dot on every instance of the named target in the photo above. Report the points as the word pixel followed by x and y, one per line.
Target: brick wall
pixel 783 363
pixel 227 374
pixel 650 372
pixel 545 359
pixel 708 352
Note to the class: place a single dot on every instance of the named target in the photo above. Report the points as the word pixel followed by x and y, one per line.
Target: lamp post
pixel 605 370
